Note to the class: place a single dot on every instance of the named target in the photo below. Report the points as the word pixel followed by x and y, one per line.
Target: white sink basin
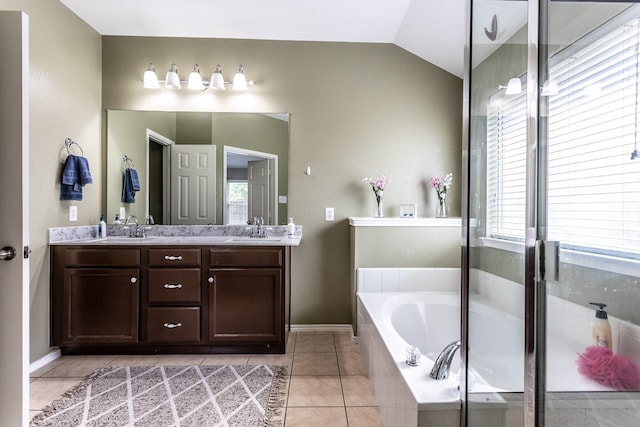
pixel 204 239
pixel 256 239
pixel 124 239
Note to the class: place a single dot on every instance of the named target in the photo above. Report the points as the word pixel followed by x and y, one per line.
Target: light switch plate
pixel 73 213
pixel 329 214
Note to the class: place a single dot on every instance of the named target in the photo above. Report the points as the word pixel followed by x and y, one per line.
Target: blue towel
pixel 75 175
pixel 130 184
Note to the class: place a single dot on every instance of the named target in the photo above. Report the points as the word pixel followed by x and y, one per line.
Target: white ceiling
pixel 431 29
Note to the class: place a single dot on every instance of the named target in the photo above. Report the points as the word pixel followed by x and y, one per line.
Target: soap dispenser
pixel 102 227
pixel 601 327
pixel 291 228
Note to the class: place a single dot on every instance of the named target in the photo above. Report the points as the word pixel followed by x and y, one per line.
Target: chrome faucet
pixel 136 231
pixel 442 366
pixel 258 229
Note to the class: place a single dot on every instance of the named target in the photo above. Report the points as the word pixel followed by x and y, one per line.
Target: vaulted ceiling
pixel 431 29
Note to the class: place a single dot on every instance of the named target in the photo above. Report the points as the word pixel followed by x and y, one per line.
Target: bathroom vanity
pixel 170 295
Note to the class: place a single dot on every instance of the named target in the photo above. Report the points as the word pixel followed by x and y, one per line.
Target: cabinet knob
pixel 172 325
pixel 134 279
pixel 173 257
pixel 210 280
pixel 173 286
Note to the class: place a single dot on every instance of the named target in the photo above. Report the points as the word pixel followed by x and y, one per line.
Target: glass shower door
pixel 494 256
pixel 552 214
pixel 589 202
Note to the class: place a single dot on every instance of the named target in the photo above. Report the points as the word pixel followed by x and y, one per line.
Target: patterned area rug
pixel 158 396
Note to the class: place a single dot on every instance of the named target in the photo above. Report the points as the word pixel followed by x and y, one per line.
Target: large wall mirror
pixel 198 168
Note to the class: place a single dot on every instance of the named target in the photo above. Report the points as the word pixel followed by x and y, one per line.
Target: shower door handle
pixel 547 260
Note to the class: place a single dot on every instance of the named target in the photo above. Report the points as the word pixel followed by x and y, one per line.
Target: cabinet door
pixel 100 305
pixel 245 305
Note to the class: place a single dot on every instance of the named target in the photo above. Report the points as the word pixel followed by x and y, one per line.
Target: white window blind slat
pixel 593 187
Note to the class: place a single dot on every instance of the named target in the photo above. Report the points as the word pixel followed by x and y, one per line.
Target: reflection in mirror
pixel 245 154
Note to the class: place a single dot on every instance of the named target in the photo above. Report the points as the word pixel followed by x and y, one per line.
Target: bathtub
pixel 389 322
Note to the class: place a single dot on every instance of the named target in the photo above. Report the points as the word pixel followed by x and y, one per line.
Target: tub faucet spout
pixel 442 366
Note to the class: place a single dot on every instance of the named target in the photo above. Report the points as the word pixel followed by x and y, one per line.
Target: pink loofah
pixel 611 370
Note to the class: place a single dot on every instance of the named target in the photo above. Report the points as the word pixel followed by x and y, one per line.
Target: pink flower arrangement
pixel 441 185
pixel 378 183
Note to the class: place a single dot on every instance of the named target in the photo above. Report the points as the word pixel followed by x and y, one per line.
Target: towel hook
pixel 69 142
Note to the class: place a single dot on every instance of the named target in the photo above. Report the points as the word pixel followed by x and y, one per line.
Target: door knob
pixel 7 253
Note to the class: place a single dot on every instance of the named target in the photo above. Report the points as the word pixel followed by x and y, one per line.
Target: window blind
pixel 593 186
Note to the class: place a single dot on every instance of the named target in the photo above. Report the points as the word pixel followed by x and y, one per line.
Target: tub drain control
pixel 413 356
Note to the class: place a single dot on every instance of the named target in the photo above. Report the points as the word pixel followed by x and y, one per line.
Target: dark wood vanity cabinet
pixel 181 299
pixel 96 298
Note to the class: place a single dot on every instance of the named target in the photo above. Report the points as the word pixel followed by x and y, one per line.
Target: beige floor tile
pixel 344 343
pixel 179 359
pixel 225 359
pixel 357 391
pixel 315 364
pixel 46 368
pixel 315 417
pixel 291 342
pixel 43 391
pixel 315 391
pixel 78 366
pixel 351 363
pixel 364 417
pixel 33 414
pixel 272 359
pixel 134 360
pixel 314 343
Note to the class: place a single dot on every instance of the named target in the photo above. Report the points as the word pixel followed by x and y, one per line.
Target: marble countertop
pixel 185 240
pixel 175 235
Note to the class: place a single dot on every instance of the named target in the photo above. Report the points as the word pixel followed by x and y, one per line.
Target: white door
pixel 14 219
pixel 258 176
pixel 193 184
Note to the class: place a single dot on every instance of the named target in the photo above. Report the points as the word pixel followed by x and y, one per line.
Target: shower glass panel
pixel 496 205
pixel 590 192
pixel 552 213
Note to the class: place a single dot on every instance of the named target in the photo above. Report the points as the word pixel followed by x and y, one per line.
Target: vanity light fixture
pixel 239 80
pixel 172 80
pixel 195 81
pixel 217 80
pixel 150 78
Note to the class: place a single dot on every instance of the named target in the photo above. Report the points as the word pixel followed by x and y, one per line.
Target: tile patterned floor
pixel 327 386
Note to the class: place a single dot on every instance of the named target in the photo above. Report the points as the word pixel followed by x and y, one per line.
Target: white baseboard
pixel 47 358
pixel 330 327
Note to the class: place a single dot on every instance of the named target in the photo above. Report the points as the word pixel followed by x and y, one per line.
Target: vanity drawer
pixel 174 257
pixel 89 257
pixel 246 257
pixel 169 285
pixel 173 324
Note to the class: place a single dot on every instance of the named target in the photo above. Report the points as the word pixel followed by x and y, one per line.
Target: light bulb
pixel 239 80
pixel 150 78
pixel 172 80
pixel 195 79
pixel 217 80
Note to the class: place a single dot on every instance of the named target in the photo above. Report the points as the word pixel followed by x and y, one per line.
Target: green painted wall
pixel 357 110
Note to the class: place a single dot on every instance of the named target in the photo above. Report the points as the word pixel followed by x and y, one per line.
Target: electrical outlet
pixel 329 214
pixel 73 213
